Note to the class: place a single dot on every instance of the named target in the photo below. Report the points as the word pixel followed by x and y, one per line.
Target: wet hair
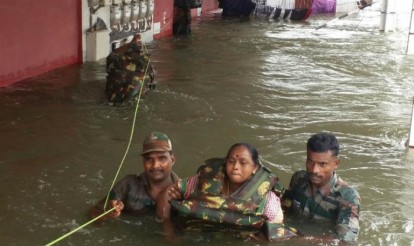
pixel 322 142
pixel 252 150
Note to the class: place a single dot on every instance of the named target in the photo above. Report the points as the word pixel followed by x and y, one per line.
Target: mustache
pixel 313 175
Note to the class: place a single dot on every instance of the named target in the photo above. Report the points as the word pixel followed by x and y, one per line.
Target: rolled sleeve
pixel 347 226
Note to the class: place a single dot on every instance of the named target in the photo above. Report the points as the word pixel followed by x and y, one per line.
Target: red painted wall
pixel 38 36
pixel 161 7
pixel 208 6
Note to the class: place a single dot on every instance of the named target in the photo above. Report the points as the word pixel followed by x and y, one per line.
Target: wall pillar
pixel 411 136
pixel 410 45
pixel 388 15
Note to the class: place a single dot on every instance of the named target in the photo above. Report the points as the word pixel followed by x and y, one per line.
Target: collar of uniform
pixel 325 190
pixel 144 179
pixel 174 177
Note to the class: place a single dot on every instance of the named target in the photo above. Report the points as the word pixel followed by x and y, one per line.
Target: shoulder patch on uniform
pixel 346 191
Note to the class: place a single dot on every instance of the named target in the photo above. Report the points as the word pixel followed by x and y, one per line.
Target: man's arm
pixel 347 226
pixel 287 196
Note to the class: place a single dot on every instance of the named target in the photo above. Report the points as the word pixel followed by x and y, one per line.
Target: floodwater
pixel 269 83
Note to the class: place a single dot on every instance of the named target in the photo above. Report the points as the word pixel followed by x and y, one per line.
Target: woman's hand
pixel 171 192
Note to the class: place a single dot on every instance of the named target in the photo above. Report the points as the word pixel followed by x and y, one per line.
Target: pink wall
pixel 209 5
pixel 161 6
pixel 38 36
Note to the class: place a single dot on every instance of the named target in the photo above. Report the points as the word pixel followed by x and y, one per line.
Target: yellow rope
pixel 119 168
pixel 80 227
pixel 132 134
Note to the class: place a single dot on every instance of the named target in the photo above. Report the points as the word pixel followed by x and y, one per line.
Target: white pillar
pixel 388 15
pixel 410 44
pixel 411 136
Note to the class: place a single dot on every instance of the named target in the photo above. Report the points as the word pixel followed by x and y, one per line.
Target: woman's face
pixel 239 165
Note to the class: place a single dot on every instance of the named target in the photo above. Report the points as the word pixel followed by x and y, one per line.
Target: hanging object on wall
pixel 142 15
pixel 134 15
pixel 105 2
pixel 115 17
pixel 150 12
pixel 93 3
pixel 126 16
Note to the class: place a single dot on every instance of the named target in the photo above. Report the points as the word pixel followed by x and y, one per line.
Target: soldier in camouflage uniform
pixel 319 194
pixel 235 192
pixel 138 193
pixel 128 70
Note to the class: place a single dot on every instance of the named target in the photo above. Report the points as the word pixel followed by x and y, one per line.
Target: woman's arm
pixel 163 206
pixel 272 209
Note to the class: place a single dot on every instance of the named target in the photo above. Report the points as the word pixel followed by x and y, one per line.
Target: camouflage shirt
pixel 207 206
pixel 133 191
pixel 336 201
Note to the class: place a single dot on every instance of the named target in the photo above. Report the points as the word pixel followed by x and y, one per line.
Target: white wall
pixel 89 19
pixel 345 5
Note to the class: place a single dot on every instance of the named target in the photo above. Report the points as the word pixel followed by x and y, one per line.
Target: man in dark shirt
pixel 137 193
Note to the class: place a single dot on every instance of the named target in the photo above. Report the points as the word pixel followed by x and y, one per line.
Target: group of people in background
pixel 239 193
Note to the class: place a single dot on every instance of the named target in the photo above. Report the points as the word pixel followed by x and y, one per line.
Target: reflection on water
pixel 272 84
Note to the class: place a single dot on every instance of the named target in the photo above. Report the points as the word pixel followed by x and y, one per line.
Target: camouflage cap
pixel 156 141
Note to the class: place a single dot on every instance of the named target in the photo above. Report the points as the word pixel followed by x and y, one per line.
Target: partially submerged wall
pixel 37 37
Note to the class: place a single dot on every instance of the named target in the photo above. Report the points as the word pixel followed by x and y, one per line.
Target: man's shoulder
pixel 299 177
pixel 347 191
pixel 131 177
pixel 135 179
pixel 175 178
pixel 299 174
